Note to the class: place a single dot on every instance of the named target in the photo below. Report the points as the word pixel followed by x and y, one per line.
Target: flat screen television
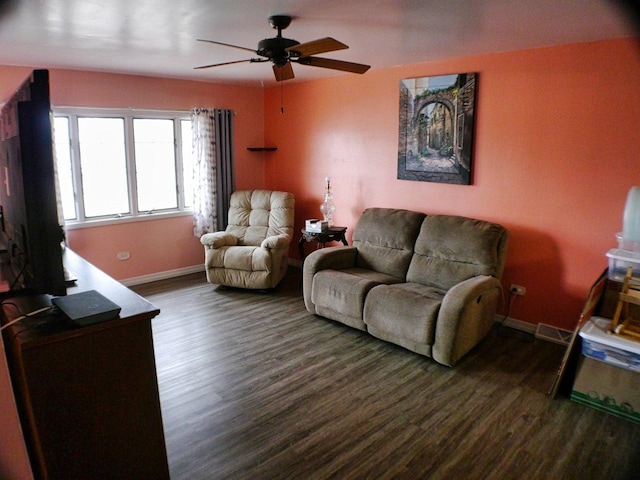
pixel 31 235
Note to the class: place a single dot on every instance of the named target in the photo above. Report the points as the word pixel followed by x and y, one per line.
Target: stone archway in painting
pixel 435 141
pixel 434 133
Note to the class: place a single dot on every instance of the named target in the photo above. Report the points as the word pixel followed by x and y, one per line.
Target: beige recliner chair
pixel 253 250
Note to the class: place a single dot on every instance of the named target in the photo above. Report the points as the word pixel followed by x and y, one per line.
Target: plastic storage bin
pixel 628 245
pixel 598 344
pixel 619 261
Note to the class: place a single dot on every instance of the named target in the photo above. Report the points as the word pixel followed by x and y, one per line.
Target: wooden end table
pixel 331 234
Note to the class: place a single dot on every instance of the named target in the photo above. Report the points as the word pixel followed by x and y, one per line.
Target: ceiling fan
pixel 282 51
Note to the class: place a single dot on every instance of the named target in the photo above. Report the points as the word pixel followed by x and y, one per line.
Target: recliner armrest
pixel 336 258
pixel 218 239
pixel 276 241
pixel 466 316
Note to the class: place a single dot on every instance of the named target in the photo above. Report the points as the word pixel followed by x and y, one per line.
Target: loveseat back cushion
pixel 385 238
pixel 451 249
pixel 257 214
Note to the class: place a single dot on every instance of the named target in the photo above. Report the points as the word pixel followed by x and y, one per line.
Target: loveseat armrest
pixel 218 239
pixel 335 258
pixel 465 318
pixel 276 241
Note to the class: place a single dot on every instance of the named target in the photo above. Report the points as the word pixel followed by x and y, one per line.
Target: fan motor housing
pixel 274 49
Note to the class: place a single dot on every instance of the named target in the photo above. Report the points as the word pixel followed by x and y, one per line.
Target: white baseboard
pixel 541 331
pixel 516 324
pixel 178 272
pixel 154 277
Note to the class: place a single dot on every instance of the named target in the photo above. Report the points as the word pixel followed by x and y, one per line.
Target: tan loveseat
pixel 429 283
pixel 253 250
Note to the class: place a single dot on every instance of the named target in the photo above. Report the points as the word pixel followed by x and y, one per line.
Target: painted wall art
pixel 436 128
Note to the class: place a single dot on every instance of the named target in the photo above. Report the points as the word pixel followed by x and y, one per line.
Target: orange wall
pixel 555 154
pixel 158 245
pixel 556 151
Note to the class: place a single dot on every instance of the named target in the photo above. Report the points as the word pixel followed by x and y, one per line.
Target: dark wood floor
pixel 254 387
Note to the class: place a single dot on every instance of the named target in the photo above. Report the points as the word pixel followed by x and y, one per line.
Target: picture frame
pixel 436 128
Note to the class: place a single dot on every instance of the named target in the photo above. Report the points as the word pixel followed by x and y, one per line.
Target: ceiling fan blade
pixel 284 72
pixel 334 64
pixel 224 63
pixel 314 47
pixel 227 45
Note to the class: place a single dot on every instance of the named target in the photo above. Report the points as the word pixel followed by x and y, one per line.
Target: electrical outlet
pixel 517 290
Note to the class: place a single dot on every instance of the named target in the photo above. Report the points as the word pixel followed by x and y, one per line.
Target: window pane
pixel 155 164
pixel 63 165
pixel 103 166
pixel 187 162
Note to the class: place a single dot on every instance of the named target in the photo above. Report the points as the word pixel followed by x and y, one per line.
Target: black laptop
pixel 87 308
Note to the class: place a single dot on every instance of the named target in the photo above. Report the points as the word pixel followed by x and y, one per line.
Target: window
pixel 103 166
pixel 155 164
pixel 63 161
pixel 114 164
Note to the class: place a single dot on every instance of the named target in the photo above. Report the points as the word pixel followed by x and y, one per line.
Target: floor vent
pixel 553 334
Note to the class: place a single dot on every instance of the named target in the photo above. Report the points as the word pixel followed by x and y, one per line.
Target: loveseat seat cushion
pixel 384 238
pixel 451 249
pixel 340 294
pixel 404 313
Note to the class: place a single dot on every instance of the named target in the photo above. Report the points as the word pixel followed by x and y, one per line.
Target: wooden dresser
pixel 87 397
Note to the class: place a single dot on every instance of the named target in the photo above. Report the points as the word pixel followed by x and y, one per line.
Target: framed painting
pixel 436 128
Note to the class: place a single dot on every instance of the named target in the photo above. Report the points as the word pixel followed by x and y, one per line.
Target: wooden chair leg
pixel 622 323
pixel 621 304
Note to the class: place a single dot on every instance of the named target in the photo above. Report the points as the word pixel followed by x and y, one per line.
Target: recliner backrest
pixel 385 238
pixel 451 249
pixel 257 214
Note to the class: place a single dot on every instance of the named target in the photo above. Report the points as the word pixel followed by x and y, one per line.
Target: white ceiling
pixel 158 37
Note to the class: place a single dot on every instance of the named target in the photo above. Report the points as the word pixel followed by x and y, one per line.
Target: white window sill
pixel 103 222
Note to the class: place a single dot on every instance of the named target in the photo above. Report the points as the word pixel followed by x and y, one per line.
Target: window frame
pixel 128 115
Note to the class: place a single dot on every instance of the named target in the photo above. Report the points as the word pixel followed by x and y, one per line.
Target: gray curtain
pixel 225 180
pixel 214 182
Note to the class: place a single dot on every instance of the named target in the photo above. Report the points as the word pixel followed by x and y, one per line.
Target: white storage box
pixel 619 261
pixel 607 388
pixel 599 344
pixel 316 226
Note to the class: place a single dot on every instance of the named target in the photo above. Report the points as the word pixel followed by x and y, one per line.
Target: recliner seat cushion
pixel 405 310
pixel 344 291
pixel 340 291
pixel 245 258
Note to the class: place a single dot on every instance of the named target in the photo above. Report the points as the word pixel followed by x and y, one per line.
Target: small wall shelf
pixel 262 149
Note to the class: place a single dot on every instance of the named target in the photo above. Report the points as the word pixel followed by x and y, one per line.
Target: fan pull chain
pixel 281 98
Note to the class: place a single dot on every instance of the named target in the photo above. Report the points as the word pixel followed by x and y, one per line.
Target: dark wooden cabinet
pixel 88 397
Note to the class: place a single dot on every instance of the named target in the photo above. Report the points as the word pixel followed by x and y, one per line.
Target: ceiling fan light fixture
pixel 275 47
pixel 282 51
